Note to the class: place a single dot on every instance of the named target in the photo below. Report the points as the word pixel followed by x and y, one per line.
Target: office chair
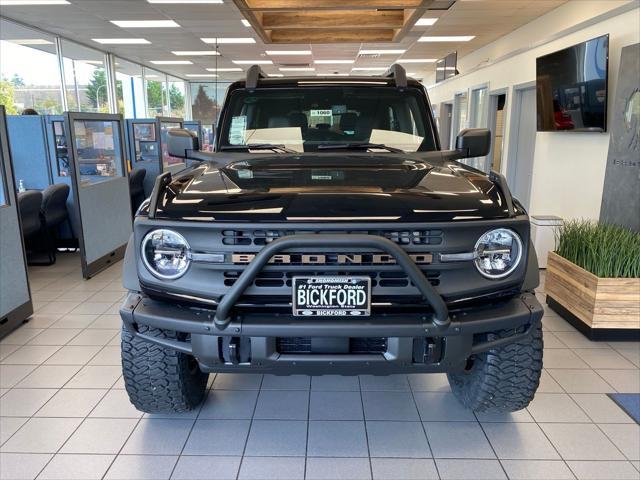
pixel 136 187
pixel 54 211
pixel 29 208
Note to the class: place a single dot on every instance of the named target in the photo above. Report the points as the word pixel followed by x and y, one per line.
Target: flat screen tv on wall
pixel 571 88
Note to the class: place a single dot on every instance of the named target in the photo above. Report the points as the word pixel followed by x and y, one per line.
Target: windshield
pixel 312 119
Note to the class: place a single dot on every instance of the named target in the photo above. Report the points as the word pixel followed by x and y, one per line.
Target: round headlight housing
pixel 166 254
pixel 498 253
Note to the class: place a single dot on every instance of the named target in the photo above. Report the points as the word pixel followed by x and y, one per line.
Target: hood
pixel 412 187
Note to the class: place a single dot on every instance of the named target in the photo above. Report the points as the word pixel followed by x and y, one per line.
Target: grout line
pixel 424 430
pixel 366 430
pixel 246 441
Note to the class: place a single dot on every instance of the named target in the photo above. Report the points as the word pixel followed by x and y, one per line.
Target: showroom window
pixel 177 92
pixel 29 74
pixel 129 89
pixel 156 85
pixel 206 100
pixel 85 78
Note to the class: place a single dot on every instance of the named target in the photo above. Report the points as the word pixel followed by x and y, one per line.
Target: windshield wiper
pixel 358 146
pixel 259 146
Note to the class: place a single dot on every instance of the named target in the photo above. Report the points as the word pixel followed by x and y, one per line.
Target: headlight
pixel 166 254
pixel 498 253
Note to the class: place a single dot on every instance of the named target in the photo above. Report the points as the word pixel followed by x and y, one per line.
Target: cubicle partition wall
pixel 195 126
pixel 144 149
pixel 28 139
pixel 15 295
pixel 100 187
pixel 167 162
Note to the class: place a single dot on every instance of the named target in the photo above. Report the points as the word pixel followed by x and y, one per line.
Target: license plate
pixel 331 296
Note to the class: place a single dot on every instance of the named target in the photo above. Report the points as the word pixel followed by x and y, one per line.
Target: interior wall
pixel 569 167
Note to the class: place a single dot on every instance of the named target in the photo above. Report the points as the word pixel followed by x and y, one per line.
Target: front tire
pixel 503 379
pixel 160 379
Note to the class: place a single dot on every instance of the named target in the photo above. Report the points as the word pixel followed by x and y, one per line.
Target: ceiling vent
pixel 294 65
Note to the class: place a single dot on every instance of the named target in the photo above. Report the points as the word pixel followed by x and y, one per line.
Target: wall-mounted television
pixel 571 88
pixel 446 67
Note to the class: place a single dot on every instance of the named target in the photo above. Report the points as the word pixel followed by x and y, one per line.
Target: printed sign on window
pixel 237 130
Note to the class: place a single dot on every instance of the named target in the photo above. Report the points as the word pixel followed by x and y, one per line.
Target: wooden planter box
pixel 601 308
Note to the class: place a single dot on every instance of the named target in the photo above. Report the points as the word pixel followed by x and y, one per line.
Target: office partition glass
pixel 129 89
pixel 97 153
pixel 156 86
pixel 85 78
pixel 29 73
pixel 166 124
pixel 177 91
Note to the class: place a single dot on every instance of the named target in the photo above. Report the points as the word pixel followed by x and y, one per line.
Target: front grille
pixel 263 237
pixel 357 345
pixel 382 279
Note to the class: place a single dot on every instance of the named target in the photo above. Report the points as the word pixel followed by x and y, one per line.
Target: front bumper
pixel 414 343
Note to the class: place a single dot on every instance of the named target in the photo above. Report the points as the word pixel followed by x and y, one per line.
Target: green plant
pixel 607 251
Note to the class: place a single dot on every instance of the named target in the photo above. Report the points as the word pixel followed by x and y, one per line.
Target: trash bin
pixel 543 235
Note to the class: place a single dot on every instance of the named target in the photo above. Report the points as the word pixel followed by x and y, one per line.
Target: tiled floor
pixel 64 413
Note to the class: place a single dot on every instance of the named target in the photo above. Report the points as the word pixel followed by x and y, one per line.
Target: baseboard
pixel 595 334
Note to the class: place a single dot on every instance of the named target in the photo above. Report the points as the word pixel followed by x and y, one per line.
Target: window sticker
pixel 237 130
pixel 321 113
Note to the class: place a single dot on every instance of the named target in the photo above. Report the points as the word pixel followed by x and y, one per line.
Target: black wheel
pixel 159 379
pixel 503 379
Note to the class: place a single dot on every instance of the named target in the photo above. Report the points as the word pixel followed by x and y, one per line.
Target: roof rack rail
pixel 254 74
pixel 398 73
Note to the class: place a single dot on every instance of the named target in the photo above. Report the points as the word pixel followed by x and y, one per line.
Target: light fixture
pixel 333 62
pixel 381 52
pixel 253 62
pixel 371 69
pixel 185 1
pixel 417 60
pixel 31 41
pixel 275 75
pixel 245 22
pixel 201 75
pixel 171 62
pixel 447 38
pixel 6 3
pixel 426 22
pixel 122 41
pixel 229 40
pixel 226 69
pixel 145 23
pixel 288 52
pixel 297 69
pixel 195 53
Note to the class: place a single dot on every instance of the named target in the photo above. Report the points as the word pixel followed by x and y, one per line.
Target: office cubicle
pixel 195 126
pixel 28 140
pixel 168 163
pixel 100 187
pixel 15 294
pixel 144 149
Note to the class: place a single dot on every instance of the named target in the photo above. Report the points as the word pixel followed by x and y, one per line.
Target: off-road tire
pixel 503 379
pixel 159 379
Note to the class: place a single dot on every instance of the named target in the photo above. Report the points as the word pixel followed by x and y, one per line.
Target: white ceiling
pixel 83 20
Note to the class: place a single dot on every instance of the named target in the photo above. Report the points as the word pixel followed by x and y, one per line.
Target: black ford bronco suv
pixel 330 234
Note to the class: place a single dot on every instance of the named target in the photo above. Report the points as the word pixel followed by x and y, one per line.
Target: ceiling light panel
pixel 201 75
pixel 288 52
pixel 179 2
pixel 297 69
pixel 245 22
pixel 145 23
pixel 381 52
pixel 6 3
pixel 426 22
pixel 195 53
pixel 171 62
pixel 225 69
pixel 229 40
pixel 122 41
pixel 447 38
pixel 31 41
pixel 417 60
pixel 275 75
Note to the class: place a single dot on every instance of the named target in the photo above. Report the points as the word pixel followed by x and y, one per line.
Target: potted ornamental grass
pixel 593 279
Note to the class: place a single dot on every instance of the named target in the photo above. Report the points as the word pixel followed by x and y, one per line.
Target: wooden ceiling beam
pixel 334 19
pixel 306 5
pixel 327 35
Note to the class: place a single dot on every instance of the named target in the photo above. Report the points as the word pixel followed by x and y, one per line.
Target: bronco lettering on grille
pixel 332 259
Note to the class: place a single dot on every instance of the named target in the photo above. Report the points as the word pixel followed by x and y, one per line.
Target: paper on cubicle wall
pixel 401 140
pixel 290 137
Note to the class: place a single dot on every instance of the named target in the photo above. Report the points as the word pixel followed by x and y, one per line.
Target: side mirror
pixel 181 141
pixel 474 142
